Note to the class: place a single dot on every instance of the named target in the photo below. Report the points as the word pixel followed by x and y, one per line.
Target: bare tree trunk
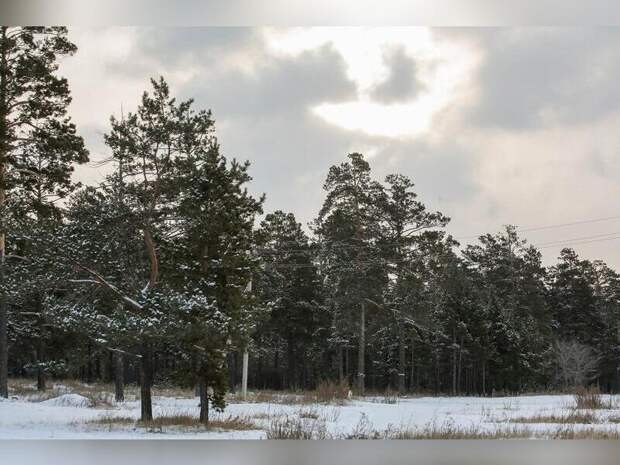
pixel 4 341
pixel 453 362
pixel 204 402
pixel 119 377
pixel 401 357
pixel 40 370
pixel 412 380
pixel 146 380
pixel 484 380
pixel 460 367
pixel 40 344
pixel 340 362
pixel 232 371
pixel 361 370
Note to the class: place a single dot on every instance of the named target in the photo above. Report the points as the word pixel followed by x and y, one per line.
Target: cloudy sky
pixel 495 126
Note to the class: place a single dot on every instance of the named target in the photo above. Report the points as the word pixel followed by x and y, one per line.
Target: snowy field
pixel 71 415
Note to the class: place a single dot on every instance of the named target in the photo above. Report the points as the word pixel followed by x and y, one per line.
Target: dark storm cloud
pixel 535 76
pixel 401 84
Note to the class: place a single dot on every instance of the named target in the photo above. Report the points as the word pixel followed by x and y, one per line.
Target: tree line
pixel 168 269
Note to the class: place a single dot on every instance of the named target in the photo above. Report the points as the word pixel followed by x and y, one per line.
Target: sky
pixel 495 126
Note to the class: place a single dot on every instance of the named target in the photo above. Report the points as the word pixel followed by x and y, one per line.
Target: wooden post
pixel 244 377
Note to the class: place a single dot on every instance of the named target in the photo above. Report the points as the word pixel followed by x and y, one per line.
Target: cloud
pixel 526 132
pixel 546 76
pixel 402 83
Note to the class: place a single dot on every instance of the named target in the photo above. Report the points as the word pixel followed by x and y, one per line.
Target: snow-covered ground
pixel 68 416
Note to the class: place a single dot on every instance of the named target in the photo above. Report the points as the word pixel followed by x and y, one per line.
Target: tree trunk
pixel 460 367
pixel 40 351
pixel 401 357
pixel 204 402
pixel 340 362
pixel 291 372
pixel 146 379
pixel 4 146
pixel 361 371
pixel 4 341
pixel 232 371
pixel 412 380
pixel 89 363
pixel 119 377
pixel 453 363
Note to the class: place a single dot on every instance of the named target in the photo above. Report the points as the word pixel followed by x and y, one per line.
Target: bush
pixel 330 391
pixel 590 398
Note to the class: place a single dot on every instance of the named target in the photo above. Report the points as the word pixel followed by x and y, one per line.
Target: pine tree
pixel 210 254
pixel 348 229
pixel 406 225
pixel 38 142
pixel 512 277
pixel 289 290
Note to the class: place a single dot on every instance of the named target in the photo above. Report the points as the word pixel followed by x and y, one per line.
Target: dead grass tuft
pixel 108 420
pixel 592 399
pixel 184 421
pixel 293 427
pixel 574 417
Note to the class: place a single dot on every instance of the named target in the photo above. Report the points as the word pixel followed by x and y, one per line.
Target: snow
pixel 68 400
pixel 67 416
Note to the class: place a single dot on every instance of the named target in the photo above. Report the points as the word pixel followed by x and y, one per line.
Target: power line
pixel 578 239
pixel 580 243
pixel 552 226
pixel 561 225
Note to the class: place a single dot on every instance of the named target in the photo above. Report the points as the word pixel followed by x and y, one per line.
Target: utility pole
pixel 244 376
pixel 244 371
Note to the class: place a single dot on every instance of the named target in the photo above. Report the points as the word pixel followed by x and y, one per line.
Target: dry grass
pixel 271 397
pixel 109 420
pixel 332 392
pixel 236 422
pixel 101 395
pixel 586 433
pixel 592 399
pixel 294 427
pixel 176 422
pixel 327 392
pixel 454 432
pixel 574 417
pixel 310 413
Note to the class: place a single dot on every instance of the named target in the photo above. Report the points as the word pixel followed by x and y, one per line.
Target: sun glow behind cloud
pixel 443 70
